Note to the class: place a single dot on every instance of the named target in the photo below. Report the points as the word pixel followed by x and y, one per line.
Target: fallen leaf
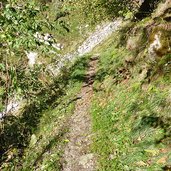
pixel 152 152
pixel 33 140
pixel 164 150
pixel 141 163
pixel 66 140
pixel 162 160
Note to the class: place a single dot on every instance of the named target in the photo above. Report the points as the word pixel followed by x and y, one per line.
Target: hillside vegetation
pixel 130 107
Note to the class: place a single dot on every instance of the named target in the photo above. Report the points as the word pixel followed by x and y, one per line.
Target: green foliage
pixel 19 23
pixel 98 10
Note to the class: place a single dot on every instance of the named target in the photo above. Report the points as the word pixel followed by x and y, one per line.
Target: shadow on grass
pixel 15 132
pixel 156 122
pixel 55 140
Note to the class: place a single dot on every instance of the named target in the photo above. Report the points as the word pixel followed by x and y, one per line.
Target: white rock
pixel 155 45
pixel 100 34
pixel 13 105
pixel 32 56
pixel 1 115
pixel 57 46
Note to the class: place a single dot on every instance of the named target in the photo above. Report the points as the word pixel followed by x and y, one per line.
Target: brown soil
pixel 77 154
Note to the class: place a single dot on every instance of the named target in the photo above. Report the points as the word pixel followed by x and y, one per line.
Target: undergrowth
pixel 34 140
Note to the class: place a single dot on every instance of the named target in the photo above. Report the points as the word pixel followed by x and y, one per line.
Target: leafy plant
pixel 19 21
pixel 98 10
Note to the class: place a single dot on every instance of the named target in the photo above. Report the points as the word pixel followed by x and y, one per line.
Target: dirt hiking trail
pixel 77 155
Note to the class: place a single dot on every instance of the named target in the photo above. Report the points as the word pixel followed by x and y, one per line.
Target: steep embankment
pixel 132 103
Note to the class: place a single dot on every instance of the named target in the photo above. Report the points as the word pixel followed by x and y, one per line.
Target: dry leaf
pixel 152 152
pixel 162 160
pixel 141 163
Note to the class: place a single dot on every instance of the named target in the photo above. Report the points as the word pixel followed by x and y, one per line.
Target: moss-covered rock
pixel 159 43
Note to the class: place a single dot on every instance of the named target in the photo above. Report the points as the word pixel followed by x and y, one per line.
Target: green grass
pixel 131 118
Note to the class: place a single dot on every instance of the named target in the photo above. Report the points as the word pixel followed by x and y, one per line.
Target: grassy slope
pixel 131 116
pixel 44 149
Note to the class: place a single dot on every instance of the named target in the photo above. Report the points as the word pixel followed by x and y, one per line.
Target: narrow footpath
pixel 77 154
